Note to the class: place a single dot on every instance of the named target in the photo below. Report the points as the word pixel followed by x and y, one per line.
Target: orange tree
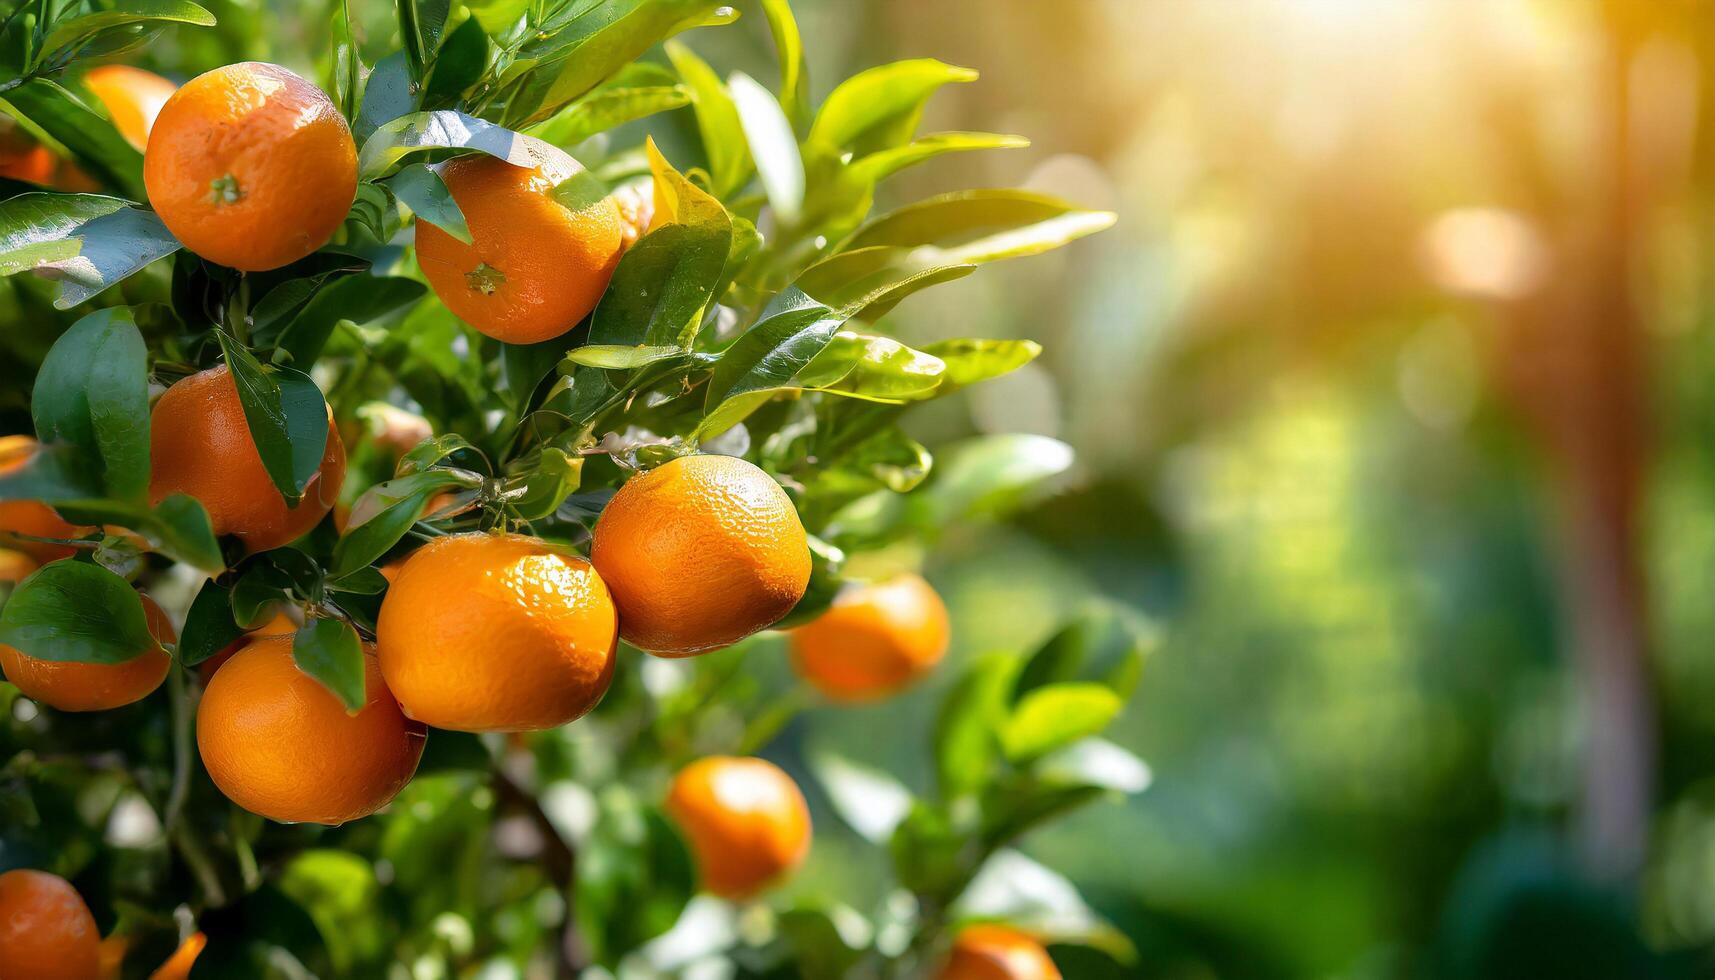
pixel 475 445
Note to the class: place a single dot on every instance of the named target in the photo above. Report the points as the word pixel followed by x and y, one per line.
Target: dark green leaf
pixel 287 417
pixel 329 651
pixel 209 626
pixel 92 393
pixel 463 58
pixel 123 14
pixel 766 359
pixel 425 193
pixel 358 299
pixel 552 477
pixel 48 109
pixel 73 611
pixel 383 514
pixel 387 95
pixel 967 730
pixel 86 241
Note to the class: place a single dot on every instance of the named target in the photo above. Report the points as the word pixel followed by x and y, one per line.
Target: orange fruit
pixel 279 744
pixel 250 166
pixel 535 266
pixel 280 625
pixel 744 819
pixel 31 517
pixel 636 203
pixel 15 565
pixel 112 955
pixel 94 687
pixel 178 965
pixel 33 163
pixel 496 633
pixel 46 931
pixel 132 97
pixel 993 952
pixel 199 445
pixel 873 641
pixel 700 552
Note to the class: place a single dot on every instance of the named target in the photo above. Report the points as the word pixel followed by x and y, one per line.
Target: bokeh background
pixel 1392 400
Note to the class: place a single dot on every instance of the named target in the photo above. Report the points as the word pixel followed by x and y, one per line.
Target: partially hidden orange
pixel 996 952
pixel 281 745
pixel 46 930
pixel 875 640
pixel 71 686
pixel 21 520
pixel 132 97
pixel 537 263
pixel 200 445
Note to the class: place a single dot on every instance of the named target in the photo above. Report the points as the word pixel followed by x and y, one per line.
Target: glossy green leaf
pixel 547 482
pixel 638 90
pixel 209 625
pixel 766 359
pixel 357 299
pixel 982 225
pixel 73 611
pixel 447 129
pixel 969 360
pixel 1057 715
pixel 460 64
pixel 385 512
pixel 86 241
pixel 789 49
pixel 773 146
pixel 421 189
pixel 884 163
pixel 92 393
pixel 879 108
pixel 584 45
pixel 866 283
pixel 388 94
pixel 286 415
pixel 124 14
pixel 620 356
pixel 874 368
pixel 330 651
pixel 718 121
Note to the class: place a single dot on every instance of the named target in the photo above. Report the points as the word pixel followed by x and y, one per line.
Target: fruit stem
pixel 225 190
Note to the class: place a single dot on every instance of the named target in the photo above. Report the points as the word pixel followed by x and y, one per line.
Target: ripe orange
pixel 280 744
pixel 280 625
pixel 178 966
pixel 199 444
pixel 93 687
pixel 535 266
pixel 745 821
pixel 873 641
pixel 112 955
pixel 15 565
pixel 993 952
pixel 132 97
pixel 251 166
pixel 46 931
pixel 700 552
pixel 496 633
pixel 31 517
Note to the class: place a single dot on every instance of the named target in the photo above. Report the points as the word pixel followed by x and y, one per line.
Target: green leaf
pixel 387 95
pixel 884 163
pixel 346 70
pixel 879 108
pixel 1094 762
pixel 178 528
pixel 60 119
pixel 967 730
pixel 666 280
pixel 982 225
pixel 357 299
pixel 462 60
pixel 585 44
pixel 423 191
pixel 86 241
pixel 259 592
pixel 866 283
pixel 124 14
pixel 548 481
pixel 92 393
pixel 620 356
pixel 447 129
pixel 872 368
pixel 286 415
pixel 634 876
pixel 73 611
pixel 773 147
pixel 497 16
pixel 1057 715
pixel 969 361
pixel 209 626
pixel 766 359
pixel 384 513
pixel 1012 888
pixel 718 121
pixel 639 90
pixel 789 48
pixel 364 581
pixel 329 651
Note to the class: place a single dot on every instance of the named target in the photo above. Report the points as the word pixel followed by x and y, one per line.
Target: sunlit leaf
pixel 879 108
pixel 1057 715
pixel 773 146
pixel 982 225
pixel 718 121
pixel 86 241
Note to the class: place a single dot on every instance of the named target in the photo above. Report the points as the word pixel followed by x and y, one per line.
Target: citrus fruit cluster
pixel 253 167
